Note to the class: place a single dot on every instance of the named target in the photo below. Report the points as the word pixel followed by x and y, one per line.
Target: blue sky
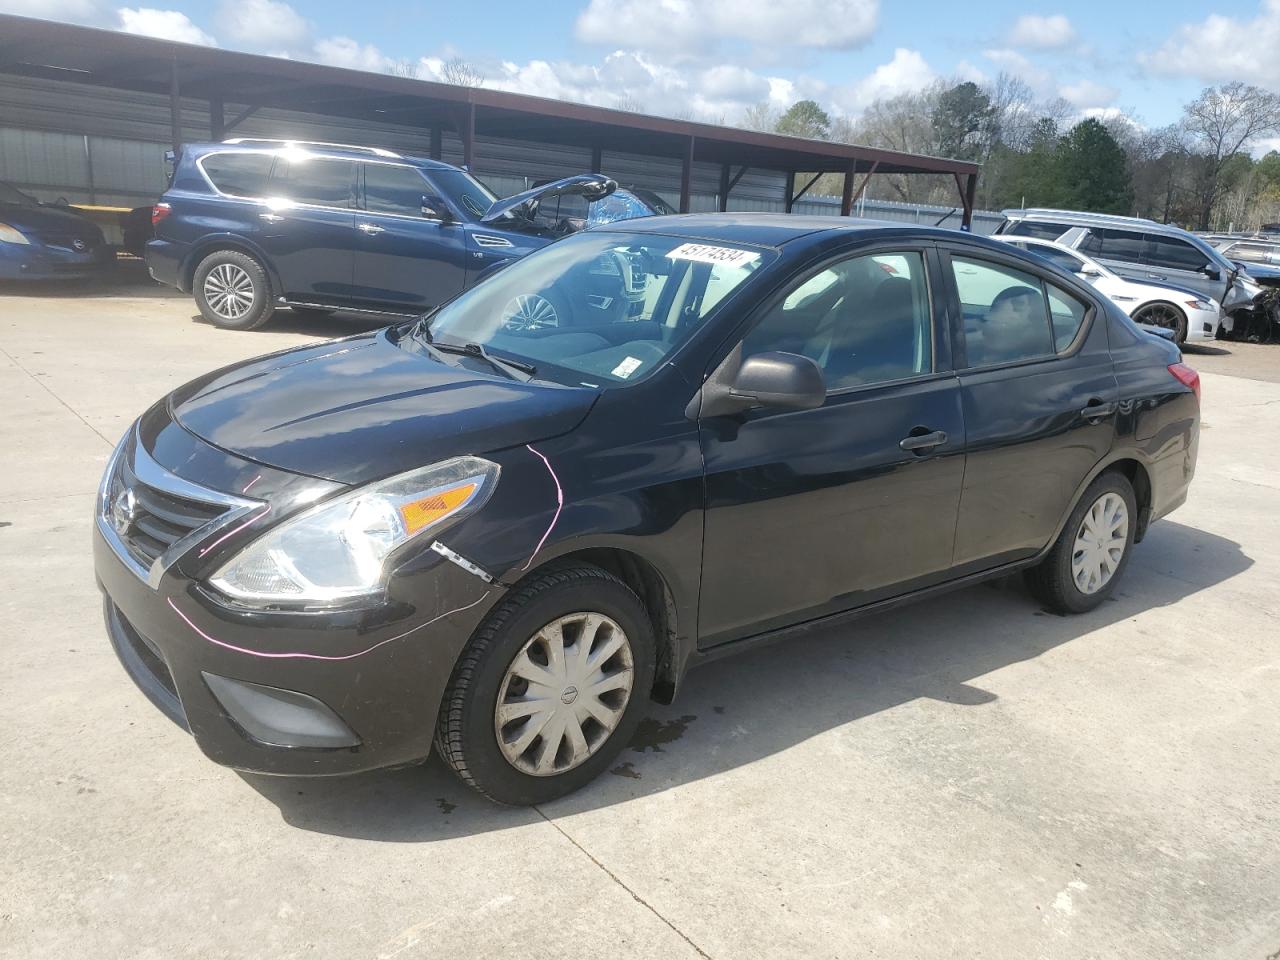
pixel 710 59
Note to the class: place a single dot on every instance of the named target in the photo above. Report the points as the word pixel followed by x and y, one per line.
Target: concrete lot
pixel 967 777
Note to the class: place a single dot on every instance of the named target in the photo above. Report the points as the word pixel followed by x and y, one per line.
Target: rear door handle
pixel 926 441
pixel 1099 410
pixel 372 229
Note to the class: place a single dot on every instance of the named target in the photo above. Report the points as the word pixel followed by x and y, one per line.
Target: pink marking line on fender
pixel 313 656
pixel 559 506
pixel 235 530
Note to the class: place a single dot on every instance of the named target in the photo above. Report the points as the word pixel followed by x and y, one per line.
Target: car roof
pixel 773 229
pixel 340 151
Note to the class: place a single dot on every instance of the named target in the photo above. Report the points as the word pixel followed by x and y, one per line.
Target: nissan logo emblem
pixel 78 244
pixel 124 510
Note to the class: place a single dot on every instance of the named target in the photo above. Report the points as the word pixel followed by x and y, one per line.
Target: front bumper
pixel 37 261
pixel 293 694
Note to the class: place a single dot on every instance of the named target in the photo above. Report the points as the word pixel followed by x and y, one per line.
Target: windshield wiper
pixel 515 369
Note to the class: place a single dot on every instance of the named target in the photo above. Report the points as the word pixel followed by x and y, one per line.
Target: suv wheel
pixel 232 290
pixel 1164 315
pixel 1091 552
pixel 550 687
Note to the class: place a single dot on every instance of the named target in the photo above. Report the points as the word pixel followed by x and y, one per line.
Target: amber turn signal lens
pixel 419 514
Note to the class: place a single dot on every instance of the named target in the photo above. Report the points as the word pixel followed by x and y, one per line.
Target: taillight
pixel 159 212
pixel 1187 377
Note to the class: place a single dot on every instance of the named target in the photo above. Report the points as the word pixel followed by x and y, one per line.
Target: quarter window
pixel 1173 254
pixel 862 320
pixel 391 189
pixel 318 181
pixel 239 174
pixel 1004 313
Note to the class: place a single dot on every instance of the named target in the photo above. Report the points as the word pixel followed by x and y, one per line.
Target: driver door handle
pixel 1099 410
pixel 372 229
pixel 926 441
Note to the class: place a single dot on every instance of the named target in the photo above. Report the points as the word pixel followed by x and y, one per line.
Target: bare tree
pixel 629 103
pixel 460 73
pixel 760 116
pixel 1223 121
pixel 404 68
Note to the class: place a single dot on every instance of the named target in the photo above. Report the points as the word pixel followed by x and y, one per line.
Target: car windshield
pixel 464 191
pixel 599 308
pixel 13 195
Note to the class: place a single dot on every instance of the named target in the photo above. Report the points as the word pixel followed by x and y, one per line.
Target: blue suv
pixel 249 225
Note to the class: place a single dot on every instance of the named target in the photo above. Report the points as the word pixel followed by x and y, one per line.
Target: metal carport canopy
pixel 107 58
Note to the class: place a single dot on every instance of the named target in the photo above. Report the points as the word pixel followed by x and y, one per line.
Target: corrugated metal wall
pixel 92 145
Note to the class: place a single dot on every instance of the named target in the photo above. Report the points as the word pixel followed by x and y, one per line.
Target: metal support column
pixel 175 106
pixel 723 196
pixel 686 177
pixel 790 188
pixel 597 158
pixel 967 195
pixel 217 119
pixel 467 131
pixel 846 197
pixel 436 142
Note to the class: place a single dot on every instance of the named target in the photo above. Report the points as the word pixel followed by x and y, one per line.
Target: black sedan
pixel 504 538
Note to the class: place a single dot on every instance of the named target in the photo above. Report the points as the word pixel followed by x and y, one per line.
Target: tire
pixel 232 290
pixel 468 730
pixel 1057 580
pixel 1165 315
pixel 311 313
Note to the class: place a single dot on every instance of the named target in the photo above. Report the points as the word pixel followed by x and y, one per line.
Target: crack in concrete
pixel 49 390
pixel 634 896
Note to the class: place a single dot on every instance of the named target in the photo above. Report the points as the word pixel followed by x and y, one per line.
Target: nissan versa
pixel 505 539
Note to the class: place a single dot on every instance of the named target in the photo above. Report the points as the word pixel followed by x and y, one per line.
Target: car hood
pixel 44 219
pixel 591 186
pixel 360 409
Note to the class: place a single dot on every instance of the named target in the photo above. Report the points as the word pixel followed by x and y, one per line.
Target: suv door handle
pixel 1099 410
pixel 270 217
pixel 372 229
pixel 1156 276
pixel 918 443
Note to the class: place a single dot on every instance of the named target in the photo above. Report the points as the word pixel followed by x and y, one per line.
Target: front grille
pixel 160 518
pixel 67 241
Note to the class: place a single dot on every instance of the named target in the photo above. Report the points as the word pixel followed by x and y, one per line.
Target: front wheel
pixel 1163 315
pixel 550 687
pixel 232 290
pixel 1089 555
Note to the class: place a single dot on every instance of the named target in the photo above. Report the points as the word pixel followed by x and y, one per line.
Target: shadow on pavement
pixel 738 710
pixel 336 324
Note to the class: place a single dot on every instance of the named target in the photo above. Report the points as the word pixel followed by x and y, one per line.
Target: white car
pixel 1190 315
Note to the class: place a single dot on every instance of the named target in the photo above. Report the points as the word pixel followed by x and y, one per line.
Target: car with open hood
pixel 505 539
pixel 250 225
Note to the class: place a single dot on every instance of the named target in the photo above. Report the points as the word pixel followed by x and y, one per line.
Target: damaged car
pixel 247 226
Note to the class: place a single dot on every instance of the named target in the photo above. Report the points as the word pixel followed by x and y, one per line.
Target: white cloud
pixel 163 24
pixel 680 28
pixel 263 24
pixel 1221 48
pixel 345 52
pixel 1263 147
pixel 1088 94
pixel 1042 32
pixel 907 72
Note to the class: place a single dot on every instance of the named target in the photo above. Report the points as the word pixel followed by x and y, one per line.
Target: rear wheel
pixel 232 290
pixel 550 687
pixel 1163 315
pixel 1092 551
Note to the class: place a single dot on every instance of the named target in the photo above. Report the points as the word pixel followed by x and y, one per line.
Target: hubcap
pixel 229 291
pixel 1100 543
pixel 529 312
pixel 564 694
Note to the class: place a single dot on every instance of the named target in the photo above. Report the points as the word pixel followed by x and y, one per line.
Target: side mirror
pixel 1212 272
pixel 1088 274
pixel 433 209
pixel 784 380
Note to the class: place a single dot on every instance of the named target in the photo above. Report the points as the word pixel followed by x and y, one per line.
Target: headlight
pixel 336 552
pixel 10 234
pixel 1197 305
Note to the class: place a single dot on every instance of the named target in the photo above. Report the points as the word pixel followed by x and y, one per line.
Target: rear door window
pixel 315 180
pixel 1122 245
pixel 1005 314
pixel 1173 254
pixel 1066 314
pixel 239 174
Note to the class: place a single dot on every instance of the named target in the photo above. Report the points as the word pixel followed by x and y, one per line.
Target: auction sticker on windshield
pixel 707 253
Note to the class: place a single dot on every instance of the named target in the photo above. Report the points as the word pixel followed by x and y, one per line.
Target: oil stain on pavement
pixel 653 734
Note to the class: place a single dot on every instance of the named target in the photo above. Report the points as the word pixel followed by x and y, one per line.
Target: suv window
pixel 1173 254
pixel 315 180
pixel 1039 229
pixel 862 320
pixel 1122 245
pixel 239 174
pixel 1250 252
pixel 1059 258
pixel 1004 313
pixel 392 189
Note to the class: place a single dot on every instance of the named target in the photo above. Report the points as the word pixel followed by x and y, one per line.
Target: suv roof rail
pixel 376 151
pixel 1083 215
